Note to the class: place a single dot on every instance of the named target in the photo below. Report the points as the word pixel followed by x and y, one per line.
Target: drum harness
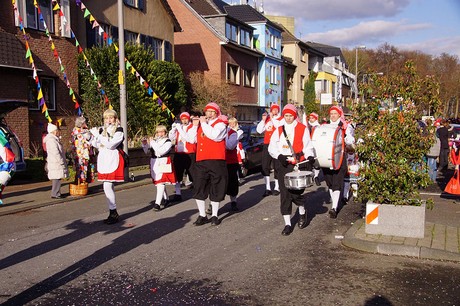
pixel 296 166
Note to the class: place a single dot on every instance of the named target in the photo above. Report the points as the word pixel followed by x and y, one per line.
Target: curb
pixel 13 209
pixel 351 241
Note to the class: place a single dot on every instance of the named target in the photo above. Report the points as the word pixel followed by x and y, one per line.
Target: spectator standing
pixel 56 160
pixel 161 168
pixel 433 153
pixel 443 134
pixel 110 164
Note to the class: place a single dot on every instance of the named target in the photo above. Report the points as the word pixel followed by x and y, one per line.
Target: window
pixel 65 20
pixel 245 38
pixel 324 86
pixel 233 74
pixel 168 51
pixel 302 82
pixel 273 78
pixel 333 89
pixel 249 78
pixel 31 17
pixel 231 32
pixel 49 93
pixel 139 4
pixel 273 41
pixel 131 36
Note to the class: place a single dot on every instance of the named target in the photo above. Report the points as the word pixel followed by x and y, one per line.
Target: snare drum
pixel 298 180
pixel 329 146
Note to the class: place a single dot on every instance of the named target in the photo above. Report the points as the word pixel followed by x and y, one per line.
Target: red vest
pixel 208 148
pixel 231 156
pixel 268 133
pixel 297 143
pixel 191 147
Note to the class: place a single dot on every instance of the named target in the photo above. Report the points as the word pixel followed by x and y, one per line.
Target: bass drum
pixel 329 145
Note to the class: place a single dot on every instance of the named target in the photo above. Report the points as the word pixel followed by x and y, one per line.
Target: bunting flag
pixel 40 100
pixel 54 49
pixel 87 15
pixel 56 7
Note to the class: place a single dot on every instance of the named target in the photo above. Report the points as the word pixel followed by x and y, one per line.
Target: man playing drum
pixel 335 178
pixel 290 144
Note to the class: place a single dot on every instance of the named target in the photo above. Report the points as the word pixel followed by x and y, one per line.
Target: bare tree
pixel 207 89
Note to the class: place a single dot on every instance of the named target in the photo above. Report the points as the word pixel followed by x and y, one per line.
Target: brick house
pixel 30 123
pixel 218 45
pixel 148 22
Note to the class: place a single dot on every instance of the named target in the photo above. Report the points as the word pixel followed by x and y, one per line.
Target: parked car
pixel 253 143
pixel 7 106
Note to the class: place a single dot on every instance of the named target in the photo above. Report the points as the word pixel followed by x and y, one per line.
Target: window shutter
pixel 140 4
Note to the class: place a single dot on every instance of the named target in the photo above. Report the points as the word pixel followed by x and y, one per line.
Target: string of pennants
pixel 40 98
pixel 56 54
pixel 87 14
pixel 56 7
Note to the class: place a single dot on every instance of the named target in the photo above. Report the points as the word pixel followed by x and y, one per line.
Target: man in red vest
pixel 290 144
pixel 183 134
pixel 268 125
pixel 210 173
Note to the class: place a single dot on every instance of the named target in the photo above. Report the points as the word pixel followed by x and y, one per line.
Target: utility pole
pixel 122 78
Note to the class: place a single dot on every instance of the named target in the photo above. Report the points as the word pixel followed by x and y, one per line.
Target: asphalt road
pixel 64 255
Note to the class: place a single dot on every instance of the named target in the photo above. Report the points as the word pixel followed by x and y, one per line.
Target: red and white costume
pixel 160 150
pixel 110 162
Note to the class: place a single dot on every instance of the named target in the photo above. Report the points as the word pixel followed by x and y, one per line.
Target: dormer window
pixel 231 32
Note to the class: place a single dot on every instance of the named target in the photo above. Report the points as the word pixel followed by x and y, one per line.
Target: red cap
pixel 314 115
pixel 290 109
pixel 213 106
pixel 184 115
pixel 337 109
pixel 274 105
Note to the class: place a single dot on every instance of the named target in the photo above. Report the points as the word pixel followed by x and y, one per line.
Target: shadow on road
pixel 119 246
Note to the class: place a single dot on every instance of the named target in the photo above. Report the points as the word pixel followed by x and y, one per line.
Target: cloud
pixel 449 45
pixel 335 10
pixel 375 32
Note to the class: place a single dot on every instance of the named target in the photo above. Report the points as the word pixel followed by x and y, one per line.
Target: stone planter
pixel 395 220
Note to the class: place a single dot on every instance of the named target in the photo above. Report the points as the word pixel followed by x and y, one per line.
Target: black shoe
pixel 267 193
pixel 177 198
pixel 215 220
pixel 165 203
pixel 201 221
pixel 276 192
pixel 302 221
pixel 156 207
pixel 209 210
pixel 332 214
pixel 287 230
pixel 234 206
pixel 317 181
pixel 113 217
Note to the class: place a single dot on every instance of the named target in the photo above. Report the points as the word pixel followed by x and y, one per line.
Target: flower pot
pixel 395 220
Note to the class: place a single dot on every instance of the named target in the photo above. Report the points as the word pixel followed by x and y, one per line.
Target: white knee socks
pixel 160 193
pixel 302 210
pixel 335 199
pixel 287 219
pixel 110 195
pixel 215 208
pixel 201 208
pixel 267 183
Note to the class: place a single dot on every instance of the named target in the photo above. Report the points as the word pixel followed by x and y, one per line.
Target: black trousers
pixel 267 162
pixel 183 162
pixel 210 180
pixel 335 178
pixel 288 196
pixel 444 159
pixel 232 184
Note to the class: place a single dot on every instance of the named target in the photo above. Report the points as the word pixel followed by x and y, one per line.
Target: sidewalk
pixel 442 227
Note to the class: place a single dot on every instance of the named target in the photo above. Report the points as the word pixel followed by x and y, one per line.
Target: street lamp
pixel 356 67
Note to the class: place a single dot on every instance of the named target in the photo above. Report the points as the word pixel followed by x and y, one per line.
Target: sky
pixel 429 26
